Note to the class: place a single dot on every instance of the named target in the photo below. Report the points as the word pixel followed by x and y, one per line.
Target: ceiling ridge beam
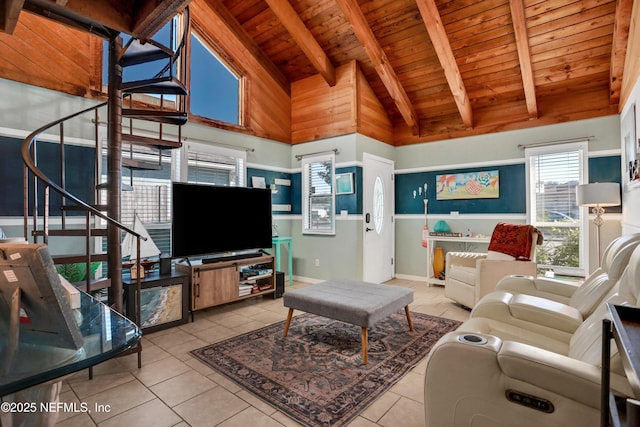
pixel 374 51
pixel 304 39
pixel 621 26
pixel 440 41
pixel 524 56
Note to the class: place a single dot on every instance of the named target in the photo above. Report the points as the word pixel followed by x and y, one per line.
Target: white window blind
pixel 215 165
pixel 318 205
pixel 557 176
pixel 554 174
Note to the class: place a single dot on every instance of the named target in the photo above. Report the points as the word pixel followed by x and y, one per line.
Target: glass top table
pixel 105 334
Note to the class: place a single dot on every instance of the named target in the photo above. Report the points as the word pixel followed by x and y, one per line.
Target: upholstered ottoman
pixel 350 301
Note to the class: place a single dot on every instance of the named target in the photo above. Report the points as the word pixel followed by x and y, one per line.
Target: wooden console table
pixel 431 243
pixel 225 281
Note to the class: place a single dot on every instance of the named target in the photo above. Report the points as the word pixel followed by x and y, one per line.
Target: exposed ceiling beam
pixel 153 14
pixel 361 28
pixel 9 13
pixel 302 36
pixel 524 56
pixel 619 48
pixel 440 41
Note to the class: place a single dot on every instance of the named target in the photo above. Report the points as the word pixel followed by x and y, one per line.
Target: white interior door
pixel 378 205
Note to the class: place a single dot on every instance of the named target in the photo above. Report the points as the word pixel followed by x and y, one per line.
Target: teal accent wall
pixel 48 158
pixel 512 193
pixel 348 202
pixel 283 194
pixel 351 202
pixel 606 169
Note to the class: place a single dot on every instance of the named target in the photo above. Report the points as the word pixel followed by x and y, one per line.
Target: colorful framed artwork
pixel 160 305
pixel 468 185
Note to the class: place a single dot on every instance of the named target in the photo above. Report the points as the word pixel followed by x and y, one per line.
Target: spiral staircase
pixel 127 107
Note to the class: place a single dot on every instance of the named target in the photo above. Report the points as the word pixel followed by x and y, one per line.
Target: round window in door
pixel 378 205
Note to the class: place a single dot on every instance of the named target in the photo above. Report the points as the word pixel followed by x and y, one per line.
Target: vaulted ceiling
pixel 441 68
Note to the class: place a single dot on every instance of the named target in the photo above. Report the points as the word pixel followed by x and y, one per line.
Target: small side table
pixel 168 300
pixel 277 241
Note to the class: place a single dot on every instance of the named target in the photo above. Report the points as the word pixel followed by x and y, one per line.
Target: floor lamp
pixel 598 195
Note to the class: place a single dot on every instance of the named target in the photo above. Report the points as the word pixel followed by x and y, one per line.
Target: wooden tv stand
pixel 221 282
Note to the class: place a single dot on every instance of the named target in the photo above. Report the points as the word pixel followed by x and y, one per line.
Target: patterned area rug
pixel 315 374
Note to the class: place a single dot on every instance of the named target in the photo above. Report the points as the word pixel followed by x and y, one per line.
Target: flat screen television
pixel 219 220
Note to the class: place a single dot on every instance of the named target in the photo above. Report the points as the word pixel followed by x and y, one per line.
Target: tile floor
pixel 174 389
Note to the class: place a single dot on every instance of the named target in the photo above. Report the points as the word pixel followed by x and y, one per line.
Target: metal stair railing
pixel 28 151
pixel 29 156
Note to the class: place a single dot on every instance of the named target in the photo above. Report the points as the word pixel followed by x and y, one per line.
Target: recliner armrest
pixel 490 272
pixel 556 373
pixel 557 290
pixel 524 310
pixel 475 366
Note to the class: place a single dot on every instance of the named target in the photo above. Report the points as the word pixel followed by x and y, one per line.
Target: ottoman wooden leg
pixel 286 326
pixel 365 345
pixel 406 310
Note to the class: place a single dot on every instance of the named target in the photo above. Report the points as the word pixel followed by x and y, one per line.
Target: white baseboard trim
pixel 306 279
pixel 411 277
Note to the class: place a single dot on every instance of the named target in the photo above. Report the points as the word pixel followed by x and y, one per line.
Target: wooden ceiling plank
pixel 361 28
pixel 435 28
pixel 621 27
pixel 9 15
pixel 302 36
pixel 234 26
pixel 524 55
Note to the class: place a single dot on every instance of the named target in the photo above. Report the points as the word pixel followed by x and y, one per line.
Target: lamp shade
pixel 598 194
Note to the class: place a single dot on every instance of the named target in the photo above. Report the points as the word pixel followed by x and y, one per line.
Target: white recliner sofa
pixel 584 296
pixel 478 379
pixel 505 313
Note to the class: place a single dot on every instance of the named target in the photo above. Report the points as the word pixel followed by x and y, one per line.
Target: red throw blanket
pixel 514 239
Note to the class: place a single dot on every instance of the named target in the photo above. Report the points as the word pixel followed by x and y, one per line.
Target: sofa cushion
pixel 461 273
pixel 499 256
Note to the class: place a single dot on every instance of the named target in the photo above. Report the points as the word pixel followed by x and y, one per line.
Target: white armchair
pixel 470 276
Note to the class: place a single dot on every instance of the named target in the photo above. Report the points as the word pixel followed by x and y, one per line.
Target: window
pixel 147 194
pixel 168 36
pixel 150 194
pixel 318 195
pixel 214 87
pixel 214 165
pixel 554 173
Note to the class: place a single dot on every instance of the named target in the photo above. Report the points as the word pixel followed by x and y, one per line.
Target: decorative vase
pixel 438 263
pixel 442 227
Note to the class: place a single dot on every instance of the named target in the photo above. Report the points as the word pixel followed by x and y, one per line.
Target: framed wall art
pixel 468 185
pixel 344 183
pixel 631 145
